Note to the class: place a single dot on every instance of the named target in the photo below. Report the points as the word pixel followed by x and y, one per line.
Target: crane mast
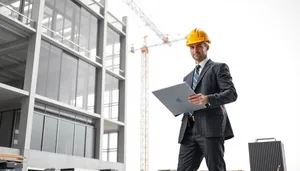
pixel 144 115
pixel 144 130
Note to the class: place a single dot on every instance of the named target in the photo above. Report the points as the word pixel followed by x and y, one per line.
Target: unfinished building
pixel 62 84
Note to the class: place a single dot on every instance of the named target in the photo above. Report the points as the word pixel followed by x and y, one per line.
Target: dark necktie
pixel 195 80
pixel 196 76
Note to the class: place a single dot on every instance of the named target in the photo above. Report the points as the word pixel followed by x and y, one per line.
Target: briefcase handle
pixel 258 139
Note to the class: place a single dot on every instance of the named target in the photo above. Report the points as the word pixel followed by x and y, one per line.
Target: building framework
pixel 62 84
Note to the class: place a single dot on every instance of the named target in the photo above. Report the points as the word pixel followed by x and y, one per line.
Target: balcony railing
pixel 9 11
pixel 94 5
pixel 72 45
pixel 115 22
pixel 115 69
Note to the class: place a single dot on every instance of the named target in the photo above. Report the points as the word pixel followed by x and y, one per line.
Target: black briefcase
pixel 267 155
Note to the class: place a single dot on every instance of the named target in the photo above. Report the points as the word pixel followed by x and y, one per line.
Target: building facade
pixel 62 84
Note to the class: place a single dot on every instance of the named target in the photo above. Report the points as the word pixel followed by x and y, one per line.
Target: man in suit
pixel 203 132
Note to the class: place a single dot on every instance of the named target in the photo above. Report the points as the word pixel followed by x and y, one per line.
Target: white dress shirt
pixel 202 64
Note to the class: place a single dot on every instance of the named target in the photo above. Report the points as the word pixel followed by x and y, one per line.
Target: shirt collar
pixel 202 63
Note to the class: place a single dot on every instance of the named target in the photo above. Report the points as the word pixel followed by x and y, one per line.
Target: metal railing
pixel 99 8
pixel 115 69
pixel 95 6
pixel 98 3
pixel 115 21
pixel 16 15
pixel 75 47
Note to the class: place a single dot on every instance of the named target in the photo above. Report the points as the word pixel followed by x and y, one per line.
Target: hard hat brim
pixel 195 42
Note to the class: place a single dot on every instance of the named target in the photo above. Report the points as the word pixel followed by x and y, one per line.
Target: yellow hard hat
pixel 197 36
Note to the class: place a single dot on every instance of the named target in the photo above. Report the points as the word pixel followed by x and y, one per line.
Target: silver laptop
pixel 176 98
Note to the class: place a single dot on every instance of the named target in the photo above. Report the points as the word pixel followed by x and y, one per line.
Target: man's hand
pixel 198 99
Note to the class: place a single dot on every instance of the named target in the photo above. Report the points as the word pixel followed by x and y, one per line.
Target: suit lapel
pixel 204 70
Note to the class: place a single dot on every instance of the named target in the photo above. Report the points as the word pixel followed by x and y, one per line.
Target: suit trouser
pixel 194 147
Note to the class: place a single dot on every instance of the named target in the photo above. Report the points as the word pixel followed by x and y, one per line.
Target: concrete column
pixel 122 96
pixel 122 87
pixel 31 72
pixel 100 84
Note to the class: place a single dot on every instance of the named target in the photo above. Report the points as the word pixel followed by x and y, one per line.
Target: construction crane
pixel 144 125
pixel 144 96
pixel 146 20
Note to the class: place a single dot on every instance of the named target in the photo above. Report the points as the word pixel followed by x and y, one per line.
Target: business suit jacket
pixel 215 82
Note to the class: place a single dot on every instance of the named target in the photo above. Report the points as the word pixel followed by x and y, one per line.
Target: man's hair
pixel 205 43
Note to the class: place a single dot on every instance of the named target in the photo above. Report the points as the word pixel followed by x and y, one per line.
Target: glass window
pixel 48 19
pixel 109 50
pixel 105 141
pixel 113 140
pixel 27 10
pixel 88 34
pixel 115 94
pixel 91 89
pixel 77 16
pixel 108 62
pixel 68 80
pixel 106 97
pixel 13 4
pixel 110 147
pixel 68 31
pixel 111 85
pixel 65 137
pixel 105 147
pixel 112 59
pixel 82 85
pixel 106 111
pixel 43 68
pixel 71 23
pixel 114 112
pixel 49 142
pixel 59 18
pixel 104 156
pixel 37 131
pixel 74 24
pixel 66 21
pixel 113 156
pixel 111 97
pixel 86 86
pixel 90 142
pixel 63 132
pixel 79 140
pixel 84 31
pixel 53 72
pixel 57 76
pixel 93 37
pixel 97 8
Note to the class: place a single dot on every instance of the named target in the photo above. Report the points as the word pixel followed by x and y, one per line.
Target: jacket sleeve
pixel 227 92
pixel 184 78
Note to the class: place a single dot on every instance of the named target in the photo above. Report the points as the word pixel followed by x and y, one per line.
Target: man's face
pixel 199 51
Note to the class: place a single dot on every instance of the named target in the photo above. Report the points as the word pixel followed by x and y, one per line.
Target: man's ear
pixel 207 46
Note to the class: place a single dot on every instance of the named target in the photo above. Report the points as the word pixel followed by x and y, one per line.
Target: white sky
pixel 258 39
